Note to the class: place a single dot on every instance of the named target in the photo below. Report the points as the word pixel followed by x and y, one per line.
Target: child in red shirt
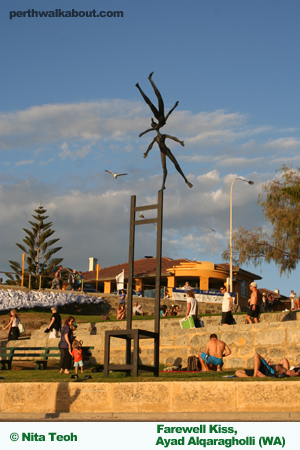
pixel 77 354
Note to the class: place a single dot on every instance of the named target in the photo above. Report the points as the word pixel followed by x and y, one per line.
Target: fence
pixel 28 276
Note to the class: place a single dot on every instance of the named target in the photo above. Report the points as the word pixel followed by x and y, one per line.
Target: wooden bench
pixel 40 355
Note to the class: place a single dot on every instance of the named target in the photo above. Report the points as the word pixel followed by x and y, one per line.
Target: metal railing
pixel 28 276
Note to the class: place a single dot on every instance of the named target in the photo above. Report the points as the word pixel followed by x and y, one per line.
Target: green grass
pixel 28 375
pixel 83 316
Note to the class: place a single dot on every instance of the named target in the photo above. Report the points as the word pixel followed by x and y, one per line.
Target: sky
pixel 70 110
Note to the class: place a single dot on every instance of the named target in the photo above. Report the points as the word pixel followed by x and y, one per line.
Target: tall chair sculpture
pixel 132 364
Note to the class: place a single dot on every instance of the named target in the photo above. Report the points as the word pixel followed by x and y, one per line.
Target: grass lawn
pixel 26 374
pixel 39 314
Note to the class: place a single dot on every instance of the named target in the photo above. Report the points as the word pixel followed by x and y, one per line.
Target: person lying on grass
pixel 213 356
pixel 263 368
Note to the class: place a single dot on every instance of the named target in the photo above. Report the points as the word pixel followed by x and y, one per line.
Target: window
pixel 244 292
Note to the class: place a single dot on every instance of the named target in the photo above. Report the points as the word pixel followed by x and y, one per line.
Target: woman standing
pixel 13 326
pixel 65 346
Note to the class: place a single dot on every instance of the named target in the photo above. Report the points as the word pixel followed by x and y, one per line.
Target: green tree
pixel 280 203
pixel 39 255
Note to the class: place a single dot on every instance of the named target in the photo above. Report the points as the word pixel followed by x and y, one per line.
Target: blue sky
pixel 70 110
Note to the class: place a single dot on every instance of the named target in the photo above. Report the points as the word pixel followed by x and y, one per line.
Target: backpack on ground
pixel 193 364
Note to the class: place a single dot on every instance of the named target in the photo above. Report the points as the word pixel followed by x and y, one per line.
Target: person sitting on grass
pixel 163 311
pixel 173 311
pixel 121 312
pixel 262 368
pixel 137 310
pixel 77 355
pixel 212 358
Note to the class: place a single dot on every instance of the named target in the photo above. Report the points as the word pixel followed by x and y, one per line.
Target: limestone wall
pixel 273 340
pixel 142 397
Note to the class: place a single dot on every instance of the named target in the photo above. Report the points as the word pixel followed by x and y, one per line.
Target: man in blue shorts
pixel 262 368
pixel 214 353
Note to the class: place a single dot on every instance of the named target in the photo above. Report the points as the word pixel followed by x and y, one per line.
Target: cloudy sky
pixel 70 109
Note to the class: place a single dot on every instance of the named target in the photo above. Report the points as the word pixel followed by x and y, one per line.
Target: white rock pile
pixel 10 299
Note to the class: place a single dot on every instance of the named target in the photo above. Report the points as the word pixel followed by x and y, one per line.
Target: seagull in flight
pixel 116 175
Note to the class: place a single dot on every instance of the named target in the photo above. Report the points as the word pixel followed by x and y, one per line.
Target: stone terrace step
pixel 100 327
pixel 273 340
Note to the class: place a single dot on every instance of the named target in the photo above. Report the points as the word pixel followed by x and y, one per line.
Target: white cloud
pixel 25 162
pixel 98 219
pixel 289 143
pixel 74 154
pixel 239 162
pixel 114 120
pixel 42 163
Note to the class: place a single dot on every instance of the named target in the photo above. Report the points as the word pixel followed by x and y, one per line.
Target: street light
pixel 251 183
pixel 141 216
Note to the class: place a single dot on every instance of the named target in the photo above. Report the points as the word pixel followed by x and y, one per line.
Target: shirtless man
pixel 214 354
pixel 262 368
pixel 254 309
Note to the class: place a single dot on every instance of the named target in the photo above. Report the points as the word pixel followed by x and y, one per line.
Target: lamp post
pixel 249 182
pixel 141 215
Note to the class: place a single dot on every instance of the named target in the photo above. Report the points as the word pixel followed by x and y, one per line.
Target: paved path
pixel 152 417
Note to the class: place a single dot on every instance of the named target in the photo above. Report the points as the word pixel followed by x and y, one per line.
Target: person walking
pixel 65 346
pixel 192 306
pixel 254 308
pixel 72 280
pixel 13 326
pixel 227 305
pixel 55 323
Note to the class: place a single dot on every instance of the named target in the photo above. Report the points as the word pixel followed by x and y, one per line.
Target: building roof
pixel 275 295
pixel 142 268
pixel 226 266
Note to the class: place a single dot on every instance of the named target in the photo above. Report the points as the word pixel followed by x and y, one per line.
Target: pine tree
pixel 39 254
pixel 280 203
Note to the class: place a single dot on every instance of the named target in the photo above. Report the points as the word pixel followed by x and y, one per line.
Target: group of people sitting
pixel 121 311
pixel 174 311
pixel 74 279
pixel 216 350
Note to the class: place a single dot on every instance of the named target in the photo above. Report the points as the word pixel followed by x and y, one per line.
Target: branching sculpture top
pixel 159 114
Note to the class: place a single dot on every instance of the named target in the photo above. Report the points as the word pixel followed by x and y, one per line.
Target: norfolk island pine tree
pixel 39 255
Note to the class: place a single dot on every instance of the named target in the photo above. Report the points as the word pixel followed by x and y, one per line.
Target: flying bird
pixel 116 175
